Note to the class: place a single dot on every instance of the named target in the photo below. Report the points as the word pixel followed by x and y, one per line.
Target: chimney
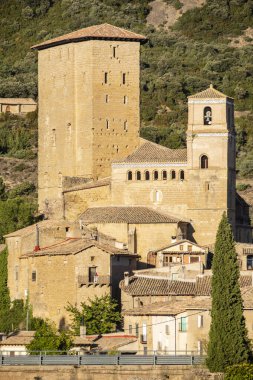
pixel 82 331
pixel 37 244
pixel 126 279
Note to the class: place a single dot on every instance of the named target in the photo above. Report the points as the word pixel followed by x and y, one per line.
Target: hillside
pixel 192 43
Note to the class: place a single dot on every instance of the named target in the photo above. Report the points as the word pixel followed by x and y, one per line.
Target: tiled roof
pixel 17 101
pixel 73 246
pixel 43 225
pixel 89 185
pixel 103 31
pixel 151 152
pixel 20 338
pixel 183 288
pixel 144 286
pixel 178 242
pixel 210 92
pixel 141 215
pixel 173 307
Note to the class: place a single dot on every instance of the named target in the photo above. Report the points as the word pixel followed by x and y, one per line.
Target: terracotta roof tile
pixel 151 152
pixel 20 338
pixel 209 93
pixel 103 31
pixel 73 246
pixel 142 286
pixel 124 214
pixel 183 288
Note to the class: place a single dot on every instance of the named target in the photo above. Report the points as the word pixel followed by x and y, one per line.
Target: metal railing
pixel 60 358
pixel 97 280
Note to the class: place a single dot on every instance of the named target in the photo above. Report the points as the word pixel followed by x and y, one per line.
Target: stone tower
pixel 211 161
pixel 88 106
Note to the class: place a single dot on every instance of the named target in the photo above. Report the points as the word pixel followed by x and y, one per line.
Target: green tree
pixel 100 317
pixel 47 338
pixel 2 190
pixel 228 342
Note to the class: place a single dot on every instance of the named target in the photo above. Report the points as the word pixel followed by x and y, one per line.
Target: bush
pixel 242 186
pixel 25 188
pixel 239 372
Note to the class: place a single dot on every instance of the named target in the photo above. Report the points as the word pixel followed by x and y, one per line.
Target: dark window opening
pixel 92 274
pixel 155 175
pixel 173 174
pixel 138 176
pixel 207 116
pixel 34 276
pixel 124 78
pixel 147 176
pixel 182 175
pixel 164 175
pixel 129 176
pixel 249 262
pixel 114 52
pixel 106 78
pixel 204 162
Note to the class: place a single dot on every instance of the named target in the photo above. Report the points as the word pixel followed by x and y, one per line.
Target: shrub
pixel 239 372
pixel 242 186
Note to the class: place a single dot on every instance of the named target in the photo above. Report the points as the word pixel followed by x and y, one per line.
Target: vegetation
pixel 174 64
pixel 228 342
pixel 101 316
pixel 239 372
pixel 12 314
pixel 47 338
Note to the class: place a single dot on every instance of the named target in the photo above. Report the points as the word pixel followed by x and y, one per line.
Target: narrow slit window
pixel 125 99
pixel 204 162
pixel 106 78
pixel 125 126
pixel 107 124
pixel 173 174
pixel 155 175
pixel 181 175
pixel 114 51
pixel 106 98
pixel 34 276
pixel 129 176
pixel 138 176
pixel 164 175
pixel 124 78
pixel 147 176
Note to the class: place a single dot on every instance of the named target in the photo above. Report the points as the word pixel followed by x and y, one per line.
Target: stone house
pixel 17 105
pixel 179 326
pixel 69 270
pixel 182 251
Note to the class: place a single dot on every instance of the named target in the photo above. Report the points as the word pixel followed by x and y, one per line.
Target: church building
pixel 97 174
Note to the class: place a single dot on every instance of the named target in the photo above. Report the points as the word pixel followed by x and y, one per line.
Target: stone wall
pixel 107 373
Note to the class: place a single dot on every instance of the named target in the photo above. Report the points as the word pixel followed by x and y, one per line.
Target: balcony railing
pixel 96 280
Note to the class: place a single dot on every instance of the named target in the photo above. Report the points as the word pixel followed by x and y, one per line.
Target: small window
pixel 114 51
pixel 207 116
pixel 129 176
pixel 200 321
pixel 181 175
pixel 173 174
pixel 125 126
pixel 207 186
pixel 107 124
pixel 138 176
pixel 204 162
pixel 147 176
pixel 130 329
pixel 106 98
pixel 92 258
pixel 167 330
pixel 124 78
pixel 183 324
pixel 34 276
pixel 136 329
pixel 181 247
pixel 125 99
pixel 189 248
pixel 155 175
pixel 93 274
pixel 164 175
pixel 106 78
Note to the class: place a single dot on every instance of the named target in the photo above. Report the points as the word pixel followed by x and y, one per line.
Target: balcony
pixel 95 281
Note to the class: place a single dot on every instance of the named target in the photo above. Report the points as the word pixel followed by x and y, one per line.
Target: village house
pixel 17 106
pixel 181 326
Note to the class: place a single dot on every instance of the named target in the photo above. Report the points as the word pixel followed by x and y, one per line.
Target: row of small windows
pixel 156 175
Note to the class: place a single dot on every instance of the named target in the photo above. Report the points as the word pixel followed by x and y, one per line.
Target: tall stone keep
pixel 88 106
pixel 210 161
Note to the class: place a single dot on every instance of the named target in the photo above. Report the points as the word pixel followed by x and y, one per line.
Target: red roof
pixel 103 31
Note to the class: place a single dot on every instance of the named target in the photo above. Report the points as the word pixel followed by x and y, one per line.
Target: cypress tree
pixel 228 341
